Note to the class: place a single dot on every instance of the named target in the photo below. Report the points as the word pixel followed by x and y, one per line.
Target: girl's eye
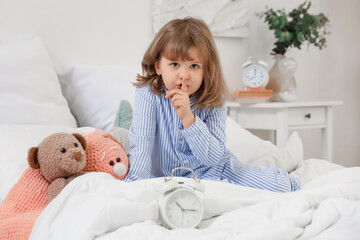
pixel 194 66
pixel 174 64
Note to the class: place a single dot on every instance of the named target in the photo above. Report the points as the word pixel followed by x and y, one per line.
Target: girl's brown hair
pixel 174 41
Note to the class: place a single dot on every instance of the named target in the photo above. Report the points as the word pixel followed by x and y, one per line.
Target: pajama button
pixel 185 161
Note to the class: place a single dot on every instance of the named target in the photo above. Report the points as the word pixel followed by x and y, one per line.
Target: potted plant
pixel 292 29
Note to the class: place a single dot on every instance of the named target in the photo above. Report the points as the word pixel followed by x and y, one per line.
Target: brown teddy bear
pixel 60 158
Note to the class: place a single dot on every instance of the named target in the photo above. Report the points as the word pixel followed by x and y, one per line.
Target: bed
pixel 38 98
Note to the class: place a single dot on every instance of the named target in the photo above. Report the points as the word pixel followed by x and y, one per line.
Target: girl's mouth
pixel 180 85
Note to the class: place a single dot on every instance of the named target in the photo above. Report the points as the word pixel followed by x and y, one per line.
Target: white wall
pixel 344 71
pixel 108 32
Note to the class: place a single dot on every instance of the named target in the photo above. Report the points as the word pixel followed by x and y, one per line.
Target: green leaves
pixel 283 21
pixel 275 22
pixel 294 28
pixel 300 37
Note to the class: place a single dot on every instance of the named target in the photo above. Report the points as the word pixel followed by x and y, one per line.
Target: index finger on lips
pixel 184 87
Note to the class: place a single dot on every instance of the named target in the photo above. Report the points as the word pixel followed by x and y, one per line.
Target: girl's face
pixel 178 74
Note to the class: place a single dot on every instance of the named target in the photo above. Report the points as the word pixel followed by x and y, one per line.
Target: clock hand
pixel 182 209
pixel 190 210
pixel 254 72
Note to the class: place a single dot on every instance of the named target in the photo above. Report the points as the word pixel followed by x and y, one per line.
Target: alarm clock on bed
pixel 255 74
pixel 180 206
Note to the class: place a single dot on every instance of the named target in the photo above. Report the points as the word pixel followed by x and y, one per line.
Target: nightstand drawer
pixel 307 116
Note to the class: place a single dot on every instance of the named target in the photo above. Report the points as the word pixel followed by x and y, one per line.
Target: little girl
pixel 179 114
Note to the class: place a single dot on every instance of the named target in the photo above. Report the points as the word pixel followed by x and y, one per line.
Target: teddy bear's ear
pixel 108 135
pixel 81 139
pixel 32 158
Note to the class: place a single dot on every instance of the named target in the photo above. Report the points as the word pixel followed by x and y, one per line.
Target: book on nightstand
pixel 254 96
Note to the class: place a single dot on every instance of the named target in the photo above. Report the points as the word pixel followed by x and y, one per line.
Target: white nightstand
pixel 282 117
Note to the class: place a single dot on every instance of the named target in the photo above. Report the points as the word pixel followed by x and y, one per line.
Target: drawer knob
pixel 308 116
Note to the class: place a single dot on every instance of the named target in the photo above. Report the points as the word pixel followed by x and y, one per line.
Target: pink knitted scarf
pixel 23 204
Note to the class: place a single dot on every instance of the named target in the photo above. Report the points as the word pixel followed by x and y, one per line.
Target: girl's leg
pixel 271 178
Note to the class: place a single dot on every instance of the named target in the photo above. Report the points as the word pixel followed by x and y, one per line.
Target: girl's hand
pixel 181 102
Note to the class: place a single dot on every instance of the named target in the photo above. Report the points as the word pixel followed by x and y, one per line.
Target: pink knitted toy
pixel 105 154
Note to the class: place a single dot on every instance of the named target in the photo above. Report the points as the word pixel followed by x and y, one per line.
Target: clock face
pixel 183 209
pixel 255 76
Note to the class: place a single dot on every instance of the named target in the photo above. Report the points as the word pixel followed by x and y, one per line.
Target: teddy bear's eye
pixel 76 145
pixel 111 163
pixel 63 150
pixel 118 159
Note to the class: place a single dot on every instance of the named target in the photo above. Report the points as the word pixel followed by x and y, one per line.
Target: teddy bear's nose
pixel 77 156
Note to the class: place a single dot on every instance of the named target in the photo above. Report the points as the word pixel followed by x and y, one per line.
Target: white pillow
pixel 243 144
pixel 30 92
pixel 253 150
pixel 15 141
pixel 94 92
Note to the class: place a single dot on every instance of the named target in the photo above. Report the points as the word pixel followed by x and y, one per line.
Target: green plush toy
pixel 122 124
pixel 124 115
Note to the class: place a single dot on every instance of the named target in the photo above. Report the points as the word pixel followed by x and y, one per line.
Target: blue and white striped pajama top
pixel 159 144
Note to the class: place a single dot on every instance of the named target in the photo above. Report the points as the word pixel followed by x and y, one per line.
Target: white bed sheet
pixel 95 206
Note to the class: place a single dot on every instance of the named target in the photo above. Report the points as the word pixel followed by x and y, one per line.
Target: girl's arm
pixel 206 138
pixel 142 135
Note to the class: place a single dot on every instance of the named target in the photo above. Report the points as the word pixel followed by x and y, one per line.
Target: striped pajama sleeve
pixel 142 135
pixel 206 138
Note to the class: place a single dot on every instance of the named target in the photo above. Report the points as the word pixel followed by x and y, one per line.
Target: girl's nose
pixel 184 75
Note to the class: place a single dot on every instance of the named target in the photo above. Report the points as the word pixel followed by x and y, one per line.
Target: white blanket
pixel 96 206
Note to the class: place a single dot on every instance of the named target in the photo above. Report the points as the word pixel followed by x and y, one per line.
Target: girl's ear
pixel 157 69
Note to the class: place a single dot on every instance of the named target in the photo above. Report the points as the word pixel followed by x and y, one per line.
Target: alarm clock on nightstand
pixel 180 206
pixel 255 74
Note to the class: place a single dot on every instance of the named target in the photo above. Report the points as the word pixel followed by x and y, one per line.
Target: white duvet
pixel 96 206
